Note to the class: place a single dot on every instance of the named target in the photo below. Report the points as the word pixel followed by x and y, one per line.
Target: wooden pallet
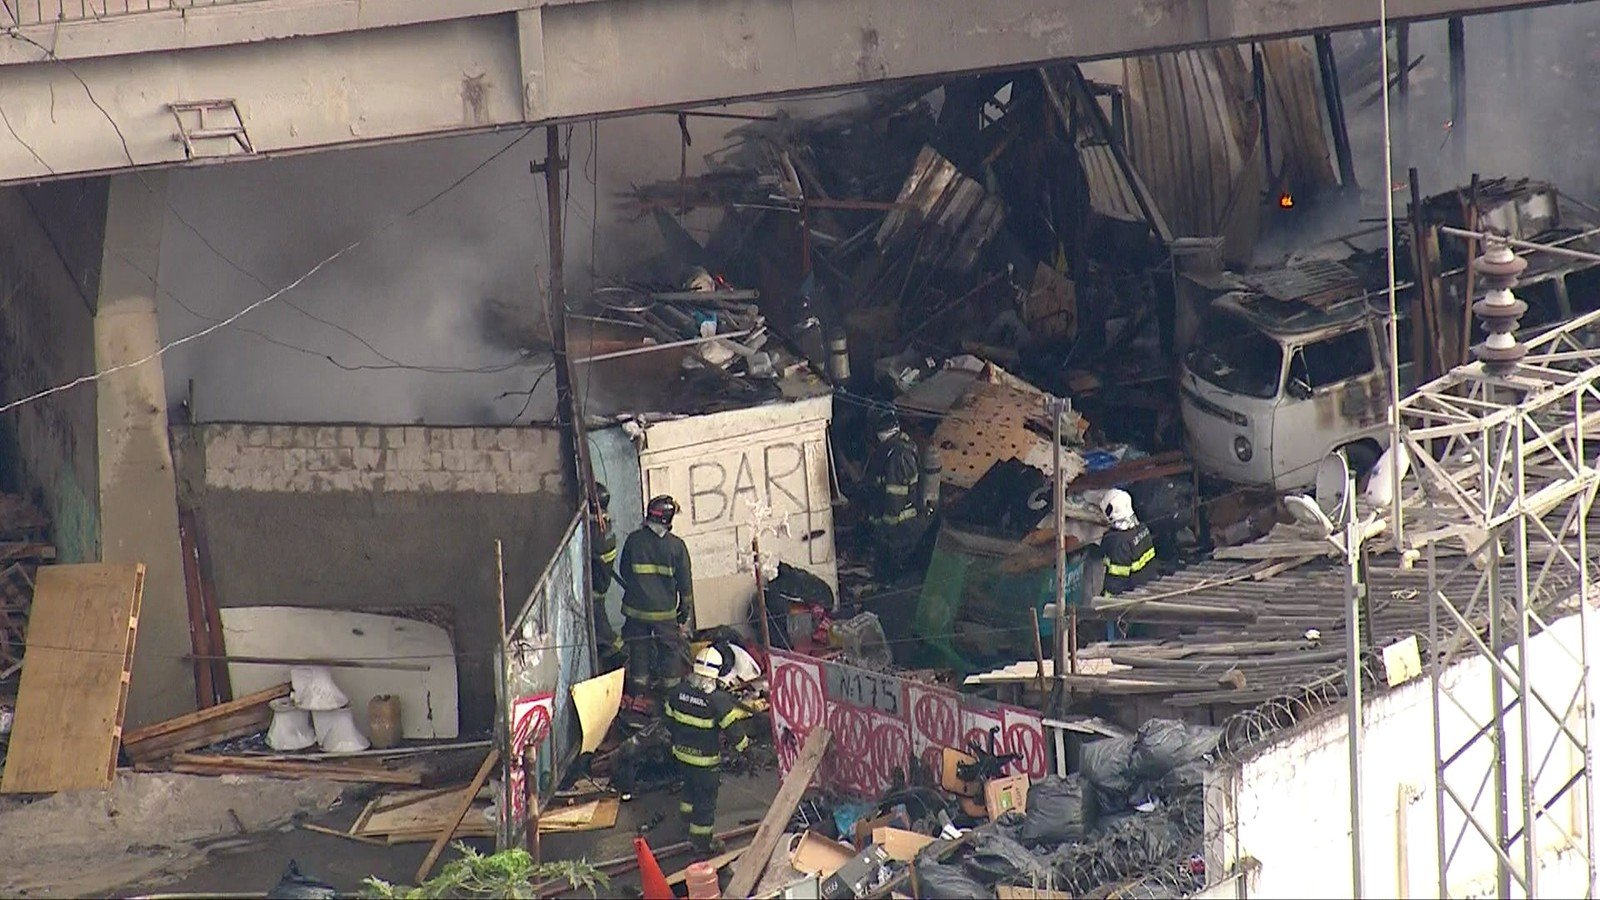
pixel 74 689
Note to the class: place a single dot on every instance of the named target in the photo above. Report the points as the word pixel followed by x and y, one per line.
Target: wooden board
pixel 417 811
pixel 206 764
pixel 74 688
pixel 596 815
pixel 247 715
pixel 427 698
pixel 750 866
pixel 464 802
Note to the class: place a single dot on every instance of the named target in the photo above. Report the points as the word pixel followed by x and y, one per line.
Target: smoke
pixel 459 286
pixel 1531 105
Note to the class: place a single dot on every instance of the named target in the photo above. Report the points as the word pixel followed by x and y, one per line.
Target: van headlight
pixel 1242 448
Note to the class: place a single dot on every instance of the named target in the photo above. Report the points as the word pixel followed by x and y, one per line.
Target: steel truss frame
pixel 1501 468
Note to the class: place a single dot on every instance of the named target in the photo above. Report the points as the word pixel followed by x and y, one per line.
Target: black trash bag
pixel 1107 765
pixel 791 584
pixel 294 885
pixel 1060 810
pixel 937 881
pixel 993 858
pixel 1163 745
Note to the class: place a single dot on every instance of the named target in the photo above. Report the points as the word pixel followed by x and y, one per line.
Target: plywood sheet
pixel 427 699
pixel 74 688
pixel 428 814
pixel 989 425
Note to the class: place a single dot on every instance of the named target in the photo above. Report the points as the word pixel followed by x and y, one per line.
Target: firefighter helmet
pixel 884 419
pixel 708 664
pixel 602 495
pixel 661 510
pixel 1118 506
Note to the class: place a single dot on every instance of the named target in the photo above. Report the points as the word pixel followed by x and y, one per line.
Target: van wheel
pixel 1362 456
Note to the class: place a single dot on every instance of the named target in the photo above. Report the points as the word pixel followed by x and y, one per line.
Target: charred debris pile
pixel 913 235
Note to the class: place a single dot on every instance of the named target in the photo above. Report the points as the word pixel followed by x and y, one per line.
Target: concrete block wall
pixel 381 458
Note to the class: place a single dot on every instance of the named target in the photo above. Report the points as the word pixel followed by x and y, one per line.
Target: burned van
pixel 1269 387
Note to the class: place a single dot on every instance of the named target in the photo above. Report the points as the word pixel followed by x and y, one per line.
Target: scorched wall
pixel 379 517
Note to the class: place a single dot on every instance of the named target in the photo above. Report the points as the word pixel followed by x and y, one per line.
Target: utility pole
pixel 574 451
pixel 1066 621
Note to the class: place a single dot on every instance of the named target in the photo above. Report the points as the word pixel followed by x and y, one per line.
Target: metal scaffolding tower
pixel 1497 501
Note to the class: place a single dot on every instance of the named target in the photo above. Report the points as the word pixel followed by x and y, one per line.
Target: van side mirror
pixel 1299 390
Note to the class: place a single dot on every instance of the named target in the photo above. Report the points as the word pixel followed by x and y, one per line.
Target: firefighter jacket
pixel 657 583
pixel 699 719
pixel 602 555
pixel 1129 556
pixel 892 480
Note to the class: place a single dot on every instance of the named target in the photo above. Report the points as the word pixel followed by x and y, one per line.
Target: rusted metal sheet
pixel 945 214
pixel 1194 138
pixel 1316 282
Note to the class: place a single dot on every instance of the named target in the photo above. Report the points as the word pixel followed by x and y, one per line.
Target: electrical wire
pixel 223 323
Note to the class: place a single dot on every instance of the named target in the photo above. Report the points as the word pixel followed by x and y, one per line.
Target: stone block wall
pixel 381 458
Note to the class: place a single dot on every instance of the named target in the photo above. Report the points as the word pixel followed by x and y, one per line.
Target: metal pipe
pixel 651 348
pixel 1518 243
pixel 1519 532
pixel 1396 515
pixel 1587 771
pixel 1497 682
pixel 1353 588
pixel 1434 667
pixel 1065 653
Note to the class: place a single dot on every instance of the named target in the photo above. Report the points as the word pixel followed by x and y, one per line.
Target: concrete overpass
pixel 192 81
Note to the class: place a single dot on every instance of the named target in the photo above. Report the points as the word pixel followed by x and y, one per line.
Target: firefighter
pixel 602 555
pixel 1129 549
pixel 700 714
pixel 657 599
pixel 893 500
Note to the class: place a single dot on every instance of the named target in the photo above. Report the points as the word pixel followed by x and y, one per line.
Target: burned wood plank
pixel 750 866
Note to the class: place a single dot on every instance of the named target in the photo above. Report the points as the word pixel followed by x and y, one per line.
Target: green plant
pixel 509 873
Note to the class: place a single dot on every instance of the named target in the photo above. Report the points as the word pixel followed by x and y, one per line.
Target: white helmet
pixel 1118 506
pixel 708 664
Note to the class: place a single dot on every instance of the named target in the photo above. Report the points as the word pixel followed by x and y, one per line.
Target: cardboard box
pixel 901 845
pixel 814 854
pixel 1002 795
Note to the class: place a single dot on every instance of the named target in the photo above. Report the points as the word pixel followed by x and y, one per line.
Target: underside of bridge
pixel 98 91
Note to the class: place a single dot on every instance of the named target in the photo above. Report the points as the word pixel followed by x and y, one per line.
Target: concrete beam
pixel 320 74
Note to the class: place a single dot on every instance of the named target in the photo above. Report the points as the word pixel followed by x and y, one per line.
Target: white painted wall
pixel 1287 808
pixel 733 471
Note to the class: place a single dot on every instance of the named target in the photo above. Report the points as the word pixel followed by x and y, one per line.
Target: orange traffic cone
pixel 651 878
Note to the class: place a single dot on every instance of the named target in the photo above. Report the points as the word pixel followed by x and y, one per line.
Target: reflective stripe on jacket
pixel 657 580
pixel 699 719
pixel 892 477
pixel 1129 554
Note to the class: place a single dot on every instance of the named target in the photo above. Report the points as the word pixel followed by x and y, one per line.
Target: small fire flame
pixel 1286 200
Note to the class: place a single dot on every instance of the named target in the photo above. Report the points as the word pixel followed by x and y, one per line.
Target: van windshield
pixel 1236 357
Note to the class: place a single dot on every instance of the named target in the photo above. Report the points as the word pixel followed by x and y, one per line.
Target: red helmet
pixel 661 510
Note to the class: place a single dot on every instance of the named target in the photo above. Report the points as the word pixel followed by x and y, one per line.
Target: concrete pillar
pixel 138 490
